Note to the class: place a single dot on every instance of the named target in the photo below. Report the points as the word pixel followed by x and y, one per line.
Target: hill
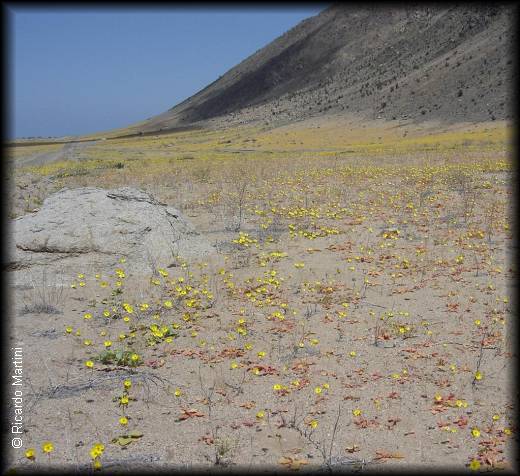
pixel 446 63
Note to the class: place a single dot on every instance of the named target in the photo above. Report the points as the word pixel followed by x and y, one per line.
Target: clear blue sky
pixel 80 71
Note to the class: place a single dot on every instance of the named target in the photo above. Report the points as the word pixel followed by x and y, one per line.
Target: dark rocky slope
pixel 447 63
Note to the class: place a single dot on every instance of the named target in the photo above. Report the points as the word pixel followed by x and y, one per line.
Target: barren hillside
pixel 448 63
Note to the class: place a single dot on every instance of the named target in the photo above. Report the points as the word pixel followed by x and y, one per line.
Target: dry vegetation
pixel 358 312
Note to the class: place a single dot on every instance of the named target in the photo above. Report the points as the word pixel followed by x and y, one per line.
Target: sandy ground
pixel 68 151
pixel 367 325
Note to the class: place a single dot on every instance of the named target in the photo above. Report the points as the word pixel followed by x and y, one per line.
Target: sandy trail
pixel 67 152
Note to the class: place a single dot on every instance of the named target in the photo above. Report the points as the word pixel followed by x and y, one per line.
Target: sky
pixel 81 71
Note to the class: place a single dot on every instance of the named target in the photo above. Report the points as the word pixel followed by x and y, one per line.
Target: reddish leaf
pixel 248 405
pixel 188 413
pixel 208 439
pixel 381 454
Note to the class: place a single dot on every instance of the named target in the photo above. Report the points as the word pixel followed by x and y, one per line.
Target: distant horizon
pixel 76 71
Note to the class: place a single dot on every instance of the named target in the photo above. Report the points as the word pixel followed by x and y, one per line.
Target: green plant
pixel 120 357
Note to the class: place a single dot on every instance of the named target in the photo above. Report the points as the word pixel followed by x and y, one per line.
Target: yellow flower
pixel 127 383
pixel 234 365
pixel 261 354
pixel 477 322
pixel 326 386
pixel 277 386
pixel 106 313
pixel 123 421
pixel 47 447
pixel 168 304
pixel 97 450
pixel 128 308
pixel 260 414
pixel 478 375
pixel 474 465
pixel 89 364
pixel 87 342
pixel 314 341
pixel 496 417
pixel 134 357
pixel 313 423
pixel 248 346
pixel 124 400
pixel 82 284
pixel 356 412
pixel 30 453
pixel 126 318
pixel 475 432
pixel 352 353
pixel 317 390
pixel 177 392
pixel 87 316
pixel 68 330
pixel 107 343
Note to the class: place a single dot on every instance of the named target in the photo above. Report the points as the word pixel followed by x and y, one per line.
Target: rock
pixel 97 226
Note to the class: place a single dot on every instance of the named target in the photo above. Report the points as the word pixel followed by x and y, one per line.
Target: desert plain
pixel 355 312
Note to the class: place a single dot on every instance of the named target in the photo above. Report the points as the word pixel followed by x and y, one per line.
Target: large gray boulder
pixel 96 227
